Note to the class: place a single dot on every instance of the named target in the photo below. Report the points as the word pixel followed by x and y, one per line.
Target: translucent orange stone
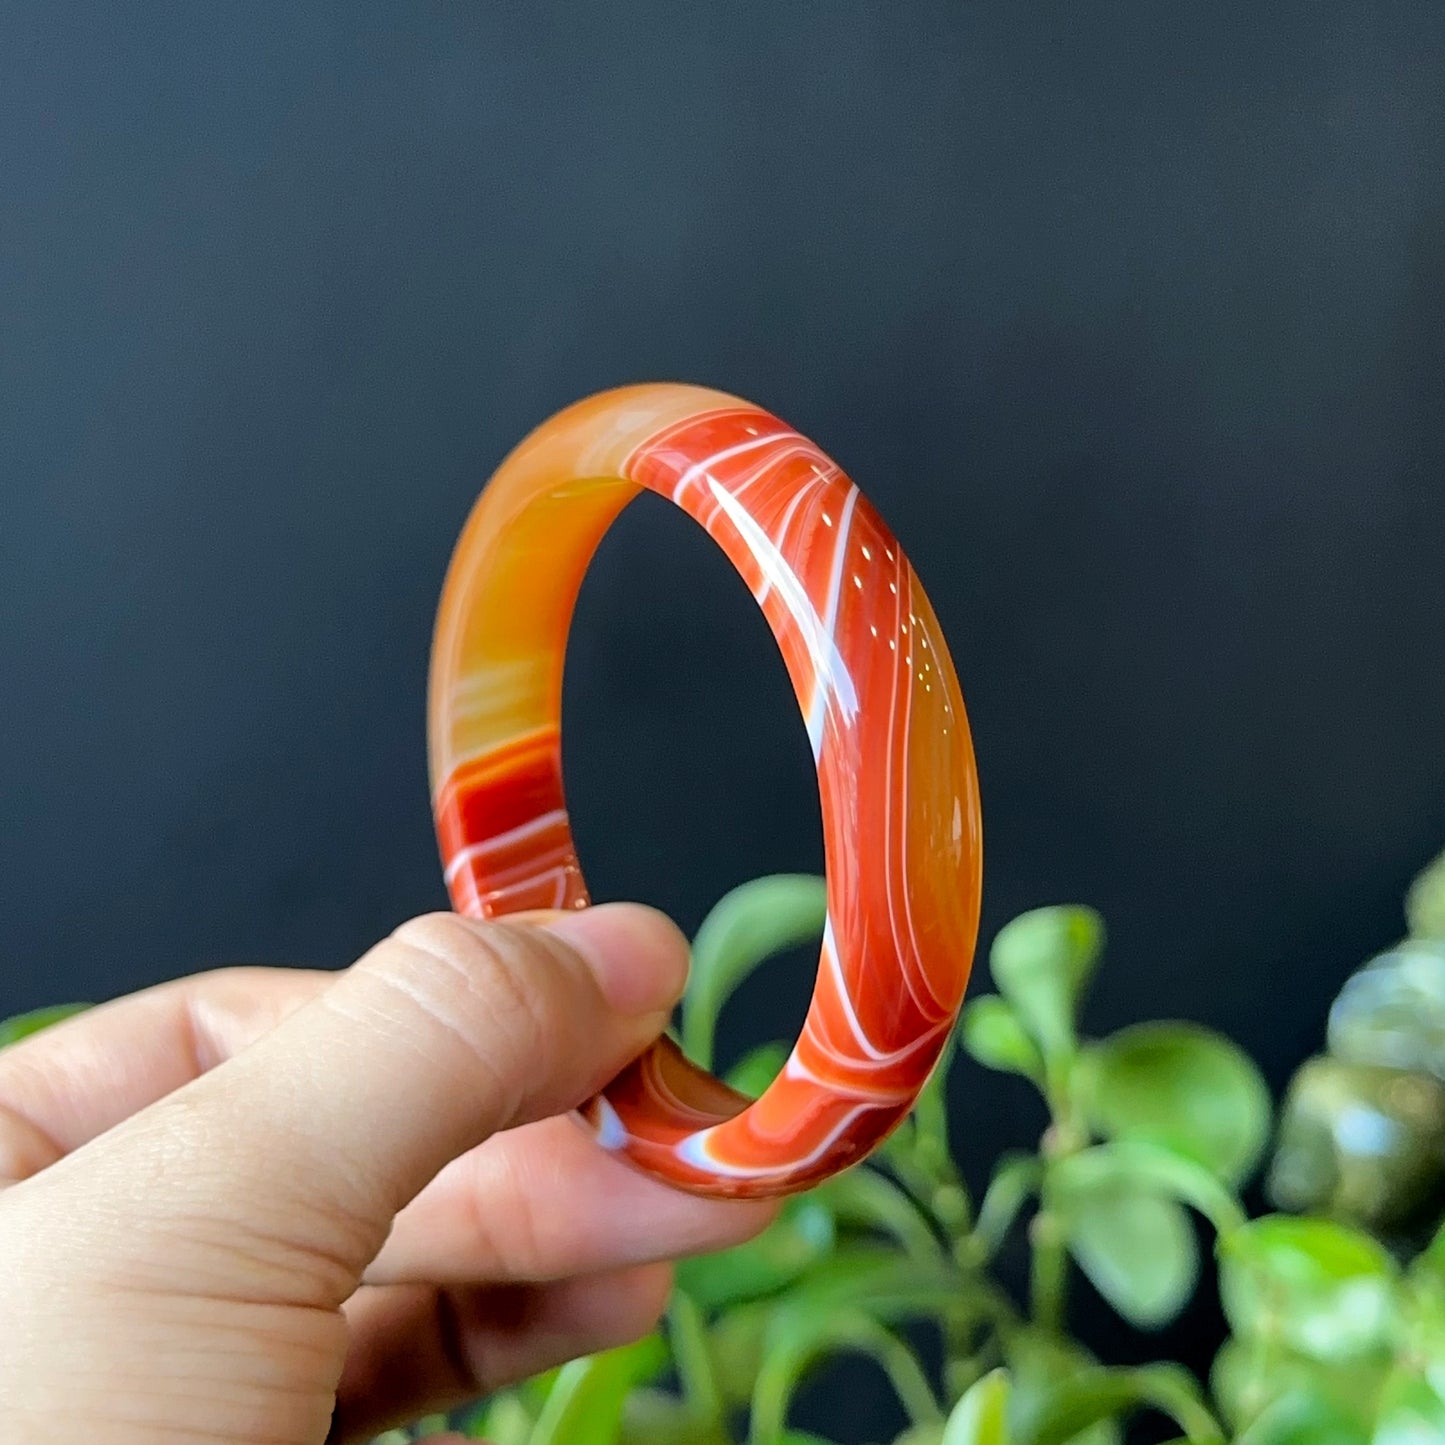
pixel 896 775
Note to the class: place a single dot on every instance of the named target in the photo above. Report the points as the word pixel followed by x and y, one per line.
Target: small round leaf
pixel 1360 1142
pixel 1138 1250
pixel 1042 962
pixel 1425 902
pixel 1244 1390
pixel 1299 1417
pixel 1319 1288
pixel 1391 1012
pixel 993 1035
pixel 1182 1086
pixel 1135 1165
pixel 1039 1364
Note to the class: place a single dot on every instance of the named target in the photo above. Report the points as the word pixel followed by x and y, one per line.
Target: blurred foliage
pixel 12 1030
pixel 1362 1133
pixel 1336 1312
pixel 1335 1306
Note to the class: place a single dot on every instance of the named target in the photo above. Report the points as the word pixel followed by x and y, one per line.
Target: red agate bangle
pixel 883 711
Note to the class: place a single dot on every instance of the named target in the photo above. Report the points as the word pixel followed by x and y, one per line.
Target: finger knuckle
pixel 497 985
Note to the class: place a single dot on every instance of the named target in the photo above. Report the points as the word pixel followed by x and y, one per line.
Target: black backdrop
pixel 1128 316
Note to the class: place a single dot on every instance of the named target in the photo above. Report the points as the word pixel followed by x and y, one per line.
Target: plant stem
pixel 693 1357
pixel 930 1116
pixel 910 1383
pixel 1048 1282
pixel 1049 1275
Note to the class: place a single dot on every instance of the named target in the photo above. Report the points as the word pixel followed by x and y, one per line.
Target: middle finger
pixel 546 1202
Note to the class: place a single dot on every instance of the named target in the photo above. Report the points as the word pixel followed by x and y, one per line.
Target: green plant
pixel 1337 1333
pixel 1332 1338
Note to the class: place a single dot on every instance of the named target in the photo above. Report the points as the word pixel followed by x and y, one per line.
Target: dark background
pixel 1128 316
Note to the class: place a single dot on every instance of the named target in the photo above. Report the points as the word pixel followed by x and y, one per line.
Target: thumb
pixel 291 1160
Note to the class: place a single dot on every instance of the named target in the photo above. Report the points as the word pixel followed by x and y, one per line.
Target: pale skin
pixel 277 1207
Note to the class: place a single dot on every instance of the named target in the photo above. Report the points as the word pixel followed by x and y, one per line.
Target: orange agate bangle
pixel 883 711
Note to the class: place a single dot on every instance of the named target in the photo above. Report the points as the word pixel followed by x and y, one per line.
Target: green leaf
pixel 802 1234
pixel 748 926
pixel 1249 1376
pixel 736 1342
pixel 1302 1418
pixel 1246 1379
pixel 504 1420
pixel 1182 1086
pixel 1420 1330
pixel 1042 961
pixel 752 1073
pixel 981 1416
pixel 1233 1385
pixel 1134 1165
pixel 21 1026
pixel 1096 1395
pixel 993 1035
pixel 1425 902
pixel 1359 1142
pixel 533 1392
pixel 1137 1249
pixel 584 1406
pixel 1411 1413
pixel 658 1417
pixel 1324 1290
pixel 1039 1364
pixel 1391 1012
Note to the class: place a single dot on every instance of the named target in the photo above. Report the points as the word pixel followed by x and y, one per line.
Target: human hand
pixel 276 1207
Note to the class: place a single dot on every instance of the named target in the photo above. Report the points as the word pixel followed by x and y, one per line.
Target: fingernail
pixel 637 955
